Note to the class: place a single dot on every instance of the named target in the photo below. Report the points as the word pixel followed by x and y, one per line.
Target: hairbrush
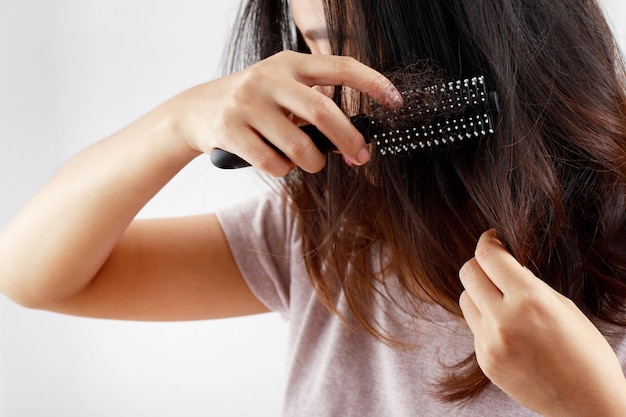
pixel 440 116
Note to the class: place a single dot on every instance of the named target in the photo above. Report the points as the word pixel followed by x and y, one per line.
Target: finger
pixel 318 109
pixel 292 141
pixel 478 285
pixel 471 313
pixel 501 267
pixel 331 70
pixel 258 153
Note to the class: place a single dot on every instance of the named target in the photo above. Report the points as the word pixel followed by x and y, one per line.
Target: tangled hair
pixel 551 180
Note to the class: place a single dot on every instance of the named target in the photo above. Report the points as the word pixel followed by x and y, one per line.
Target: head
pixel 551 180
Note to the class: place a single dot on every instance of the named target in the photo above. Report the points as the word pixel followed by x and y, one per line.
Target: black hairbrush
pixel 443 115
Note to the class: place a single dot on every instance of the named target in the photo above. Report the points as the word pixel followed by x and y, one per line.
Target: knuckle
pixel 280 171
pixel 285 54
pixel 305 154
pixel 251 80
pixel 264 161
pixel 320 109
pixel 491 361
pixel 238 101
pixel 468 270
pixel 505 340
pixel 318 166
pixel 534 304
pixel 289 54
pixel 483 252
pixel 222 126
pixel 568 302
pixel 345 64
pixel 494 354
pixel 230 113
pixel 464 300
pixel 270 162
pixel 295 143
pixel 489 355
pixel 281 59
pixel 297 148
pixel 314 165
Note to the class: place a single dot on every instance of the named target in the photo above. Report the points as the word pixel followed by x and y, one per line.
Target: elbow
pixel 21 297
pixel 23 291
pixel 37 293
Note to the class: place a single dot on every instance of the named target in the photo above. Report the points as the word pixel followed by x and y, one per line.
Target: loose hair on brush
pixel 551 180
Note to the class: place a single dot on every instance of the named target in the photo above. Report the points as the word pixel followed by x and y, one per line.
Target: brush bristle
pixel 441 115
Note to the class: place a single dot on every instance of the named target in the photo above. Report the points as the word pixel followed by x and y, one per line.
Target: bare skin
pixel 534 343
pixel 93 259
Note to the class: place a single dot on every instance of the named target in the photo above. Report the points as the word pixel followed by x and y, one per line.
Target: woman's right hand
pixel 269 100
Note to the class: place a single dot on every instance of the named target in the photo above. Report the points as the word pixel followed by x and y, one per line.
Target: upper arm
pixel 167 269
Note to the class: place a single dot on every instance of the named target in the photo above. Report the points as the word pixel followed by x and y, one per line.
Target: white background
pixel 72 72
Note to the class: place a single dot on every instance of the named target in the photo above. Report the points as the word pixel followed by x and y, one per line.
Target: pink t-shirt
pixel 336 371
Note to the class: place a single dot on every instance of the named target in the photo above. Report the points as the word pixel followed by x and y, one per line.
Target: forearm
pixel 61 238
pixel 59 242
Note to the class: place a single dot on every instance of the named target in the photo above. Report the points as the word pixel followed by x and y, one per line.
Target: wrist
pixel 178 116
pixel 615 407
pixel 172 131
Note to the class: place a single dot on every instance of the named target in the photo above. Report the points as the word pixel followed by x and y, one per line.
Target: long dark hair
pixel 551 180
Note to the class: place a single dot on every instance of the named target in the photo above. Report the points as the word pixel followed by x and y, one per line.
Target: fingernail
pixel 363 156
pixel 395 98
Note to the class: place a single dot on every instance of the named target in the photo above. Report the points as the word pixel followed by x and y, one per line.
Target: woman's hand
pixel 88 205
pixel 535 344
pixel 268 100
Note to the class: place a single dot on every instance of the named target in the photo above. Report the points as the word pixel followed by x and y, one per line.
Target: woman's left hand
pixel 534 343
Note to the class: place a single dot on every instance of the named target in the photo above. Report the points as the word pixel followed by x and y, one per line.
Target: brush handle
pixel 226 160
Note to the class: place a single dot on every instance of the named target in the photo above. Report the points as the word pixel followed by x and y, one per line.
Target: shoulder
pixel 266 214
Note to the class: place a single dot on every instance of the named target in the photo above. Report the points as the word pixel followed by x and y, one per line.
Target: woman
pixel 363 253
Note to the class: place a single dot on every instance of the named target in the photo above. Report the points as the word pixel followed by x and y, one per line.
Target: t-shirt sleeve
pixel 261 236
